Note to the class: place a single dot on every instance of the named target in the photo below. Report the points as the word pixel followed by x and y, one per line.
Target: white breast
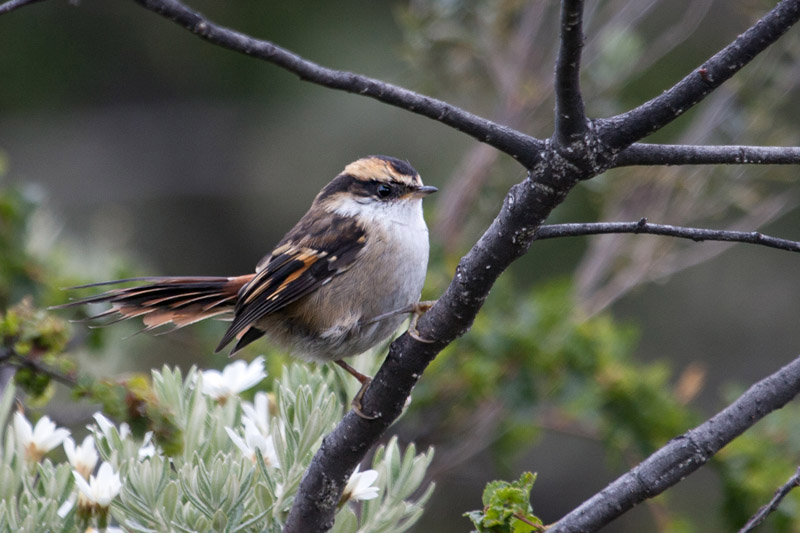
pixel 390 273
pixel 387 276
pixel 401 228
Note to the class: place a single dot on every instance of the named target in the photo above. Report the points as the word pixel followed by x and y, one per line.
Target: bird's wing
pixel 315 251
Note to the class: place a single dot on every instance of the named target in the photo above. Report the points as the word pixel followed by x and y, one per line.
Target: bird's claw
pixel 356 403
pixel 419 309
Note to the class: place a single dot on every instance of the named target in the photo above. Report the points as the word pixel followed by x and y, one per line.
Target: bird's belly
pixel 347 336
pixel 335 320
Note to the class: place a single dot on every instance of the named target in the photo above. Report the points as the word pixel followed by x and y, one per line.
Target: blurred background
pixel 128 146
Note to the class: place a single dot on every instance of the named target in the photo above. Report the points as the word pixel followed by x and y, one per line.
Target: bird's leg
pixel 419 309
pixel 384 316
pixel 365 381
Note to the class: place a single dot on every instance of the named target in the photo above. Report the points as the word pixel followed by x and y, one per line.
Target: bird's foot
pixel 419 309
pixel 365 381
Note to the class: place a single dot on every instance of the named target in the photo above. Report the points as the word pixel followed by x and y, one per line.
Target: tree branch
pixel 683 455
pixel 625 129
pixel 10 357
pixel 40 368
pixel 518 145
pixel 11 5
pixel 570 122
pixel 773 504
pixel 678 154
pixel 525 207
pixel 642 226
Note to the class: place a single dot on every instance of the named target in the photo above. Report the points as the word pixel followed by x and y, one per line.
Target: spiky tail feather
pixel 161 301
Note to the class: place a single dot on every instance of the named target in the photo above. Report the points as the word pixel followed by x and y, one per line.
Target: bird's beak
pixel 423 191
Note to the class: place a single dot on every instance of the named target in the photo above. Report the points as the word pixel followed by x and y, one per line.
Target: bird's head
pixel 374 184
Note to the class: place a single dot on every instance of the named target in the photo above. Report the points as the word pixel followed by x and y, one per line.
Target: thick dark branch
pixel 522 147
pixel 685 454
pixel 677 154
pixel 570 123
pixel 11 5
pixel 525 207
pixel 643 226
pixel 773 504
pixel 623 130
pixel 509 236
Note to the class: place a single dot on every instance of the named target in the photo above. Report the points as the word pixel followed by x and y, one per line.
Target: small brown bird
pixel 340 282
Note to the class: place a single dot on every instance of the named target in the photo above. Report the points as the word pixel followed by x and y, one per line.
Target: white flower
pixel 234 378
pixel 105 425
pixel 258 412
pixel 37 441
pixel 254 441
pixel 83 458
pixel 359 486
pixel 147 449
pixel 102 489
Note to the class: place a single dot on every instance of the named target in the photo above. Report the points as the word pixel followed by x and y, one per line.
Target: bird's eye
pixel 384 190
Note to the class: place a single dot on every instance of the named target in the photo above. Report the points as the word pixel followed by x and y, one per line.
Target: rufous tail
pixel 179 301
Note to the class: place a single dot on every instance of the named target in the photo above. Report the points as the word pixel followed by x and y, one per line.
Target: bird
pixel 340 282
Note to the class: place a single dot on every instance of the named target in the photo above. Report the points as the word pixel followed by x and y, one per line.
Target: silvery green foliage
pixel 399 476
pixel 30 494
pixel 213 483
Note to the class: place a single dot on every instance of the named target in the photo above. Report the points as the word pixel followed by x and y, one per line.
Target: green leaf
pixel 507 507
pixel 6 401
pixel 346 521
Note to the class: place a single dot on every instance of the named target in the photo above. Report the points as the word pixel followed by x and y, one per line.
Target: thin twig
pixel 41 368
pixel 773 504
pixel 570 122
pixel 643 226
pixel 11 5
pixel 680 154
pixel 10 357
pixel 625 129
pixel 683 455
pixel 522 147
